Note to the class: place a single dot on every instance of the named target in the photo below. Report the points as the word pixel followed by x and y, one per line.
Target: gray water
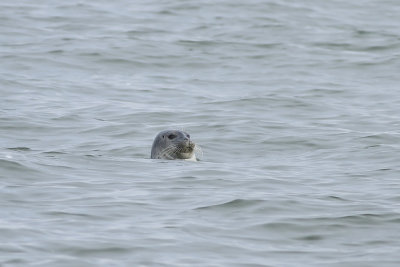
pixel 295 104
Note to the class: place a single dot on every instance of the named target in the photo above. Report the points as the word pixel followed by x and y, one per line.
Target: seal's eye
pixel 171 136
pixel 188 136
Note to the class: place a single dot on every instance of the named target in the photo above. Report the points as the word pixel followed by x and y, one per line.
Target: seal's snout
pixel 187 142
pixel 191 144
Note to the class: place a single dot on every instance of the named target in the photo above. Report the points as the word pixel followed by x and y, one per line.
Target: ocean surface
pixel 295 104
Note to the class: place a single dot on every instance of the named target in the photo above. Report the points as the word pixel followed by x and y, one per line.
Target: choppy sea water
pixel 295 104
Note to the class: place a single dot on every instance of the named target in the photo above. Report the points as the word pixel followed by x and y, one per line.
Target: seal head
pixel 173 144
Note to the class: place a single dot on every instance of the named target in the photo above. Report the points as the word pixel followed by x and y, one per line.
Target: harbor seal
pixel 173 144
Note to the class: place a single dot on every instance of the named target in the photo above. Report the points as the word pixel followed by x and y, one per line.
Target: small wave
pixel 11 165
pixel 236 203
pixel 19 148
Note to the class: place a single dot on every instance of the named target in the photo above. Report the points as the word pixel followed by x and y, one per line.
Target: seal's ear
pixel 163 136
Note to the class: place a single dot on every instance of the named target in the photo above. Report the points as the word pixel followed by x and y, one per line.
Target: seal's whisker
pixel 169 151
pixel 198 151
pixel 171 147
pixel 165 151
pixel 172 151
